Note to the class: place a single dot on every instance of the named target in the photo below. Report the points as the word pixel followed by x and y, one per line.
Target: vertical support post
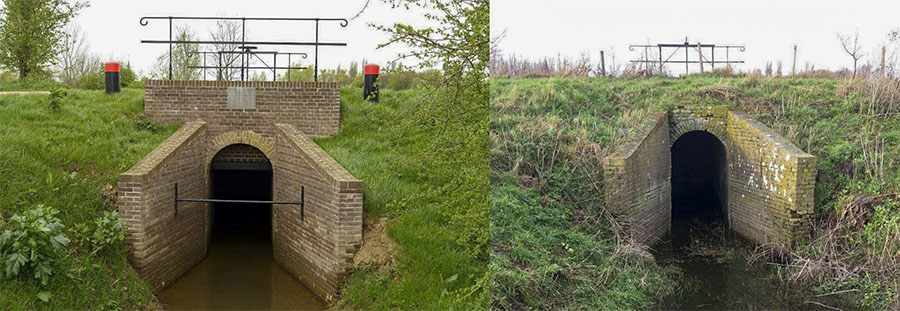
pixel 176 199
pixel 289 67
pixel 243 36
pixel 660 59
pixel 686 57
pixel 274 65
pixel 700 56
pixel 204 65
pixel 316 73
pixel 883 72
pixel 713 62
pixel 170 48
pixel 602 64
pixel 727 58
pixel 794 62
pixel 220 70
pixel 302 202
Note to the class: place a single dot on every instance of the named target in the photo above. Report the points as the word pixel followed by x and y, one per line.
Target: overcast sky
pixel 113 30
pixel 768 28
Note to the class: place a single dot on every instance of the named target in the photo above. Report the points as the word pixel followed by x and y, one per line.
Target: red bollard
pixel 370 87
pixel 113 79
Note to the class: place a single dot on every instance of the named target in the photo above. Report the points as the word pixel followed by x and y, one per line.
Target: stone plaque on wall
pixel 241 98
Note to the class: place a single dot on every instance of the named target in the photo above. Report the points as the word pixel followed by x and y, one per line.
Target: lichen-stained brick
pixel 770 181
pixel 318 249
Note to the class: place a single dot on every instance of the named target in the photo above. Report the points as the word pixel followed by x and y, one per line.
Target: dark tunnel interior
pixel 239 221
pixel 699 180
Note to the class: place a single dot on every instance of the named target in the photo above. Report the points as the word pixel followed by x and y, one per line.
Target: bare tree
pixel 226 30
pixel 75 58
pixel 852 48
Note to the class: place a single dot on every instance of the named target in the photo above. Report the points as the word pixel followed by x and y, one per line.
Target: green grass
pixel 546 210
pixel 69 159
pixel 382 145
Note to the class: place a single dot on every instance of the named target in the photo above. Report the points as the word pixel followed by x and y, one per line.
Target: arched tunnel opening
pixel 239 270
pixel 699 184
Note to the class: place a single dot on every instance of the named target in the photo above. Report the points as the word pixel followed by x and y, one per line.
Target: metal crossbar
pixel 301 202
pixel 144 21
pixel 687 46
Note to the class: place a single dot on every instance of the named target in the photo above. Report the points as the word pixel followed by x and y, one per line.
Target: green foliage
pixel 108 231
pixel 92 81
pixel 183 57
pixel 546 128
pixel 31 243
pixel 71 158
pixel 381 145
pixel 31 32
pixel 56 98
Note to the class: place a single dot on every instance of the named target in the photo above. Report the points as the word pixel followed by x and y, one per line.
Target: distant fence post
pixel 794 62
pixel 700 54
pixel 883 50
pixel 603 64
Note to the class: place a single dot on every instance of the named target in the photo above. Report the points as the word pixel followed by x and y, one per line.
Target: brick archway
pixel 224 140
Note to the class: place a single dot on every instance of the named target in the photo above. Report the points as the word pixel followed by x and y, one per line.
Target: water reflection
pixel 239 272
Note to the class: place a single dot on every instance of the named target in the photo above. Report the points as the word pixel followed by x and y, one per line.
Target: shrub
pixel 92 81
pixel 107 231
pixel 31 243
pixel 55 99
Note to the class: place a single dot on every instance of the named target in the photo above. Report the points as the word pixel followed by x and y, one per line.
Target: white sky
pixel 114 32
pixel 767 28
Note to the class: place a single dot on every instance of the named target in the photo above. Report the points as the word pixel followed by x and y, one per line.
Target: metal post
pixel 176 199
pixel 686 57
pixel 243 36
pixel 204 66
pixel 302 203
pixel 316 73
pixel 274 65
pixel 713 57
pixel 219 71
pixel 660 59
pixel 289 67
pixel 700 56
pixel 170 48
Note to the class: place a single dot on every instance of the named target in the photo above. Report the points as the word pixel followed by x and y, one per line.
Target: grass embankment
pixel 69 158
pixel 386 147
pixel 553 246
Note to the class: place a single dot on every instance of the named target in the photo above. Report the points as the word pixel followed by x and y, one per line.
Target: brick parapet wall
pixel 314 107
pixel 638 181
pixel 318 250
pixel 771 182
pixel 165 246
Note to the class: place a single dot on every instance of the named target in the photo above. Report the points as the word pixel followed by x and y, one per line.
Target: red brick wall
pixel 165 246
pixel 314 107
pixel 319 249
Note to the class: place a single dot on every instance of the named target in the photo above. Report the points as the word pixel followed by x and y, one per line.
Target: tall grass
pixel 543 182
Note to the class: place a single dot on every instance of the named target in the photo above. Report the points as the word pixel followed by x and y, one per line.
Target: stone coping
pixel 627 147
pixel 325 163
pixel 141 170
pixel 770 135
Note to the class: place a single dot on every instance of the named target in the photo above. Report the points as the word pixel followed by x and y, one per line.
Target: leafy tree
pixel 184 56
pixel 31 33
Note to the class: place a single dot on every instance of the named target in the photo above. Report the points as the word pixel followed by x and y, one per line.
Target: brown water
pixel 715 275
pixel 239 272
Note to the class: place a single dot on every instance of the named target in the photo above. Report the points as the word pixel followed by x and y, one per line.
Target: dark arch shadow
pixel 699 182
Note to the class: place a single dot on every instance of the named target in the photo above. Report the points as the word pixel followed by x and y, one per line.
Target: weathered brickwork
pixel 314 107
pixel 317 248
pixel 638 181
pixel 770 182
pixel 164 246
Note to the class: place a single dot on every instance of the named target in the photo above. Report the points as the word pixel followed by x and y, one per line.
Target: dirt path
pixel 24 93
